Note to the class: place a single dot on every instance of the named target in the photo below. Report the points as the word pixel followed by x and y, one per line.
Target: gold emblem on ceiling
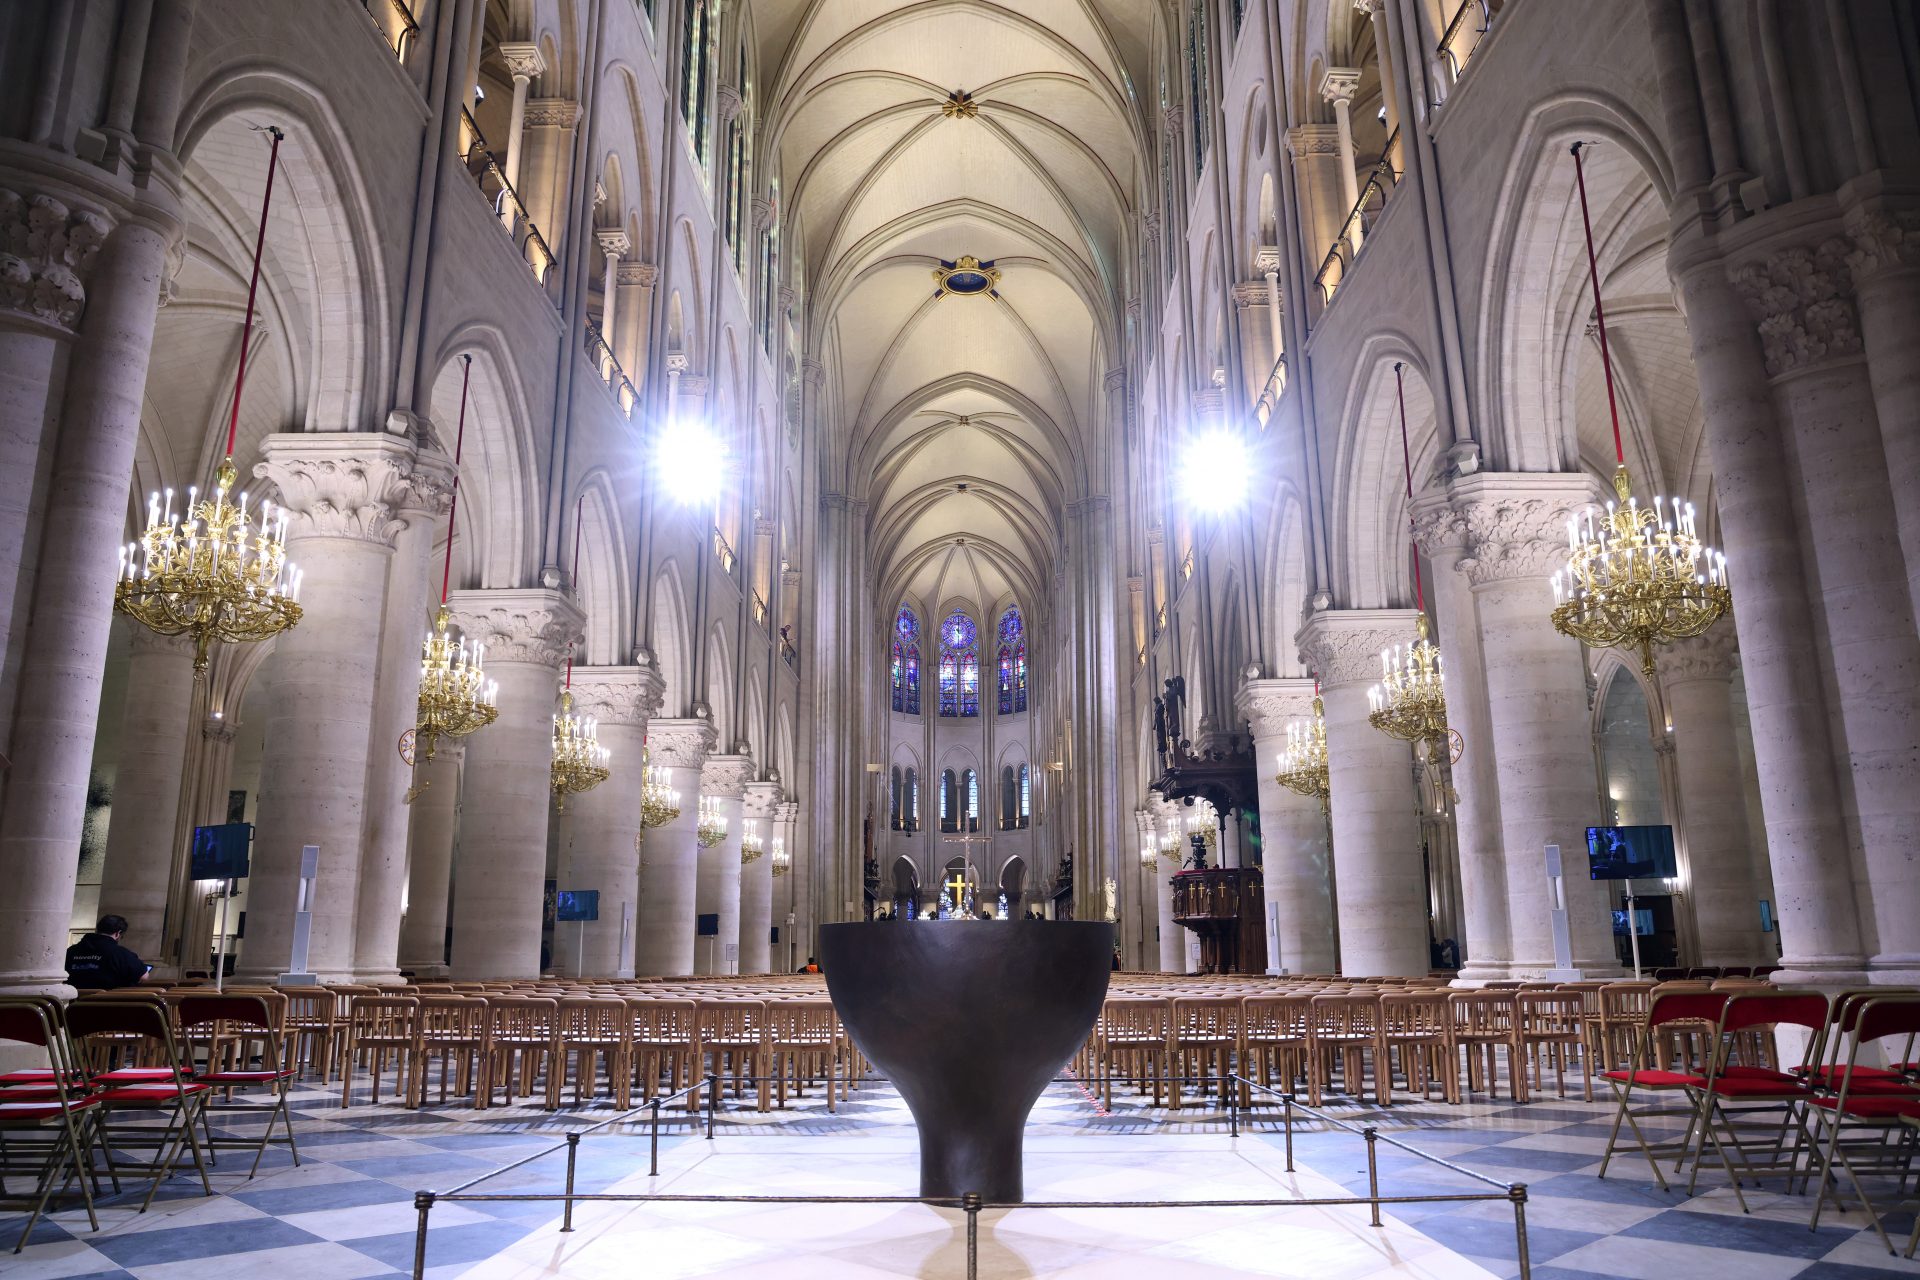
pixel 959 106
pixel 966 276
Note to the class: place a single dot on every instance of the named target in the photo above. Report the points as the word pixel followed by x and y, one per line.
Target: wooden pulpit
pixel 1226 906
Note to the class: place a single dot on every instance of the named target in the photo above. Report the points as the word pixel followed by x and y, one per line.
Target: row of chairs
pixel 119 1079
pixel 1836 1111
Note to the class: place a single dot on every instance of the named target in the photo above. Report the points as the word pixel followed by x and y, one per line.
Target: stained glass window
pixel 906 663
pixel 959 666
pixel 949 799
pixel 696 60
pixel 1026 796
pixel 973 800
pixel 1012 662
pixel 1199 91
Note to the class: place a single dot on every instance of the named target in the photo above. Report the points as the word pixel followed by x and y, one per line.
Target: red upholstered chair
pixel 1668 1008
pixel 1733 1095
pixel 44 1113
pixel 1865 1106
pixel 248 1026
pixel 166 1087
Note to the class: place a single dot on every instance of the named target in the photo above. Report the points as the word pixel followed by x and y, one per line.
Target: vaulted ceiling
pixel 966 421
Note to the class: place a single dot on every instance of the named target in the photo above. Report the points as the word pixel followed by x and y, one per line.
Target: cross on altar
pixel 959 886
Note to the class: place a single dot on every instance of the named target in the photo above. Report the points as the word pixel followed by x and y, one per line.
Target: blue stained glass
pixel 959 666
pixel 1013 662
pixel 906 663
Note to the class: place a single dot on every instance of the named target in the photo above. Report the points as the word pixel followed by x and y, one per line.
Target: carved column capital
pixel 1267 260
pixel 47 252
pixel 1344 645
pixel 1269 705
pixel 617 695
pixel 1885 240
pixel 644 274
pixel 727 104
pixel 523 60
pixel 341 484
pixel 1340 84
pixel 613 242
pixel 762 213
pixel 1503 526
pixel 520 624
pixel 726 776
pixel 679 743
pixel 762 799
pixel 1250 293
pixel 1706 657
pixel 1314 140
pixel 552 113
pixel 1803 298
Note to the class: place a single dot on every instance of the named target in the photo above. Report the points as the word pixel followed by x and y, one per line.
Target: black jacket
pixel 98 963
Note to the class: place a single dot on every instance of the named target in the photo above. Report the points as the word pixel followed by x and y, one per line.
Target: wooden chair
pixel 590 1031
pixel 1344 1027
pixel 664 1043
pixel 1551 1030
pixel 311 1028
pixel 801 1046
pixel 1417 1027
pixel 521 1044
pixel 1621 1025
pixel 1204 1033
pixel 731 1043
pixel 382 1029
pixel 1133 1044
pixel 1484 1022
pixel 453 1029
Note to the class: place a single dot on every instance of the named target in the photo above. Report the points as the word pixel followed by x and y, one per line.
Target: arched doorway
pixel 1013 882
pixel 906 887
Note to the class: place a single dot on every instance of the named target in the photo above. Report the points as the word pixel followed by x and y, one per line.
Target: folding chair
pixel 166 1087
pixel 57 1108
pixel 1732 1093
pixel 1668 1008
pixel 248 1025
pixel 1879 1112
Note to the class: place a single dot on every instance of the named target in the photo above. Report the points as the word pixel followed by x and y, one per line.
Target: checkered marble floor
pixel 347 1211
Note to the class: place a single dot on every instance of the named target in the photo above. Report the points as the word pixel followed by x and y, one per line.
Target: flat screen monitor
pixel 577 904
pixel 1630 853
pixel 1642 922
pixel 220 853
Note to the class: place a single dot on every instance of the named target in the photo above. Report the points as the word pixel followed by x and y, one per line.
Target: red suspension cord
pixel 1599 311
pixel 253 290
pixel 453 505
pixel 1406 458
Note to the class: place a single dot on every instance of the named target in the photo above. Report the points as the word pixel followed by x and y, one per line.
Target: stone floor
pixel 347 1211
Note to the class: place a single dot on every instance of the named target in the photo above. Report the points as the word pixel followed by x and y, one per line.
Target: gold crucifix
pixel 959 886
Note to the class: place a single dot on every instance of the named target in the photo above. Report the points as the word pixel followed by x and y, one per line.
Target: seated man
pixel 99 963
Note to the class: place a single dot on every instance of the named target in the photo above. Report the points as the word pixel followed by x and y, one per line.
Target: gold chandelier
pixel 782 862
pixel 1303 764
pixel 456 698
pixel 712 826
pixel 1410 702
pixel 579 761
pixel 751 846
pixel 1639 577
pixel 203 575
pixel 659 798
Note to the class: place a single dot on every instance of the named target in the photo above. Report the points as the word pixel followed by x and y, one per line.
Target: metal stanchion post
pixel 653 1138
pixel 1373 1172
pixel 971 1203
pixel 1233 1107
pixel 1289 1125
pixel 1518 1194
pixel 713 1089
pixel 573 1153
pixel 423 1201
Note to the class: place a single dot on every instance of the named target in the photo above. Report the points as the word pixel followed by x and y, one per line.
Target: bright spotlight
pixel 1213 471
pixel 692 462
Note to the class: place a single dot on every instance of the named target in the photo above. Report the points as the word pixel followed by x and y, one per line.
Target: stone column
pixel 1885 266
pixel 1380 891
pixel 1267 263
pixel 756 881
pixel 1293 829
pixel 506 793
pixel 1541 739
pixel 1793 742
pixel 547 138
pixel 57 700
pixel 614 245
pixel 1376 11
pixel 790 908
pixel 383 868
pixel 430 839
pixel 605 845
pixel 1174 953
pixel 138 875
pixel 634 283
pixel 343 491
pixel 1486 941
pixel 724 779
pixel 1337 87
pixel 669 855
pixel 523 64
pixel 1316 160
pixel 1863 619
pixel 48 258
pixel 1696 679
